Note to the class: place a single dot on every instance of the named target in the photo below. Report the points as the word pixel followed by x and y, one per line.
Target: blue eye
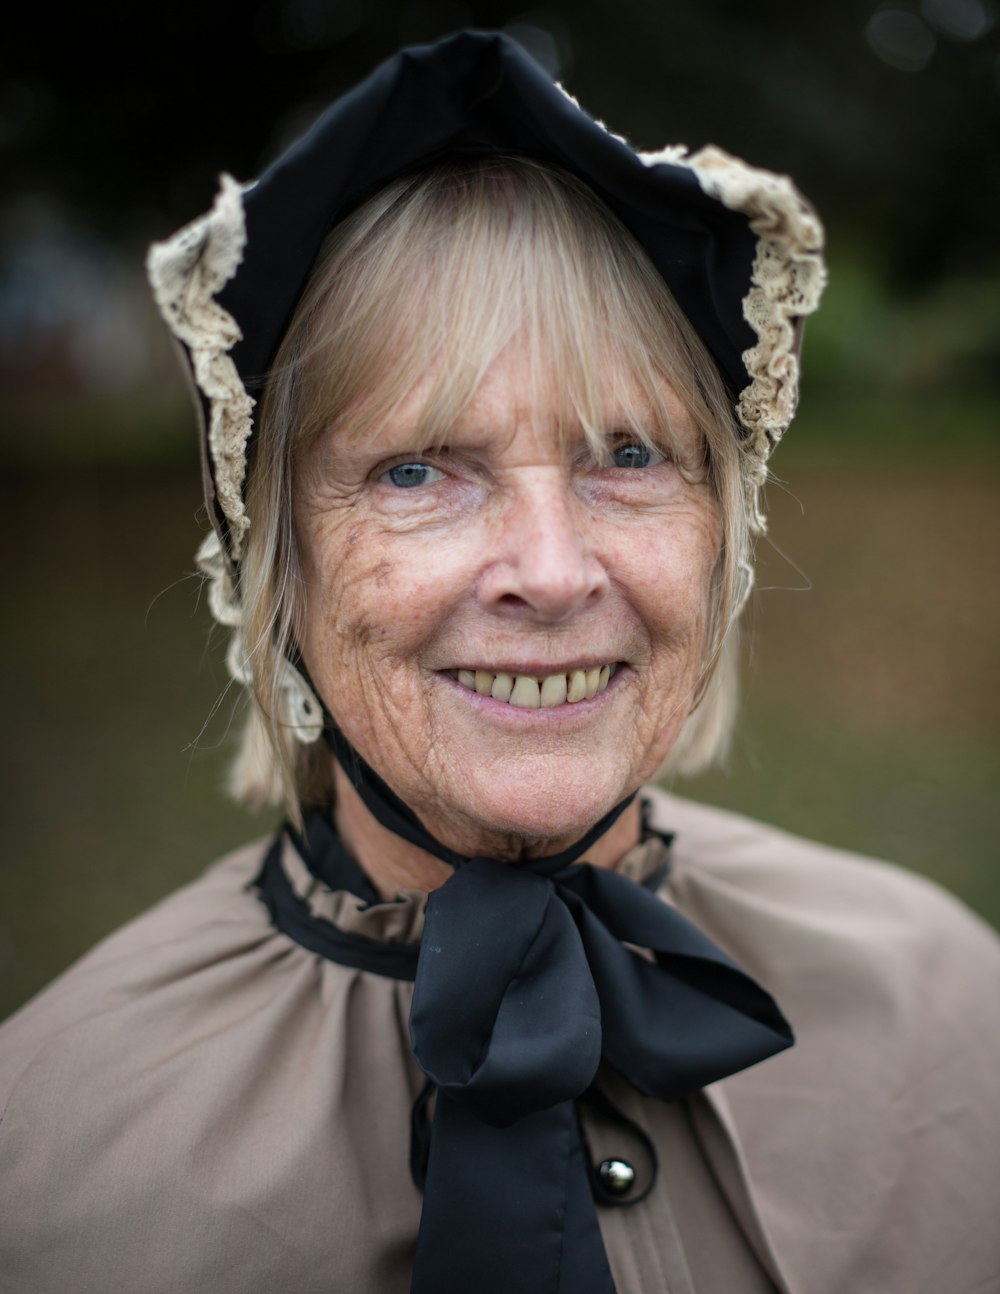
pixel 407 475
pixel 634 454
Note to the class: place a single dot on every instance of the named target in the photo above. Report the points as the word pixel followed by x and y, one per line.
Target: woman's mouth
pixel 537 691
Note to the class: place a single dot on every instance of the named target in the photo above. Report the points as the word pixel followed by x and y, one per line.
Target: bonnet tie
pixel 523 987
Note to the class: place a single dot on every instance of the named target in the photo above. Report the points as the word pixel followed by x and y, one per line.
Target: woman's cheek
pixel 383 607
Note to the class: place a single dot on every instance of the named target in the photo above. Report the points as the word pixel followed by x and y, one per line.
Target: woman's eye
pixel 635 454
pixel 407 475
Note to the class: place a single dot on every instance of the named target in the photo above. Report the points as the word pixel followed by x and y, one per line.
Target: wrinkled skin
pixel 511 553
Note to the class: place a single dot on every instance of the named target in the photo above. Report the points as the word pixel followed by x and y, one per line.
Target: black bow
pixel 523 986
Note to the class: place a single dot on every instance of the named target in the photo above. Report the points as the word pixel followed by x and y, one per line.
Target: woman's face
pixel 436 583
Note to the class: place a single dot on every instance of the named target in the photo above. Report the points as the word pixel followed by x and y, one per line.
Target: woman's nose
pixel 543 565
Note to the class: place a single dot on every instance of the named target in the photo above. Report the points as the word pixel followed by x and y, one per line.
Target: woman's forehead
pixel 517 394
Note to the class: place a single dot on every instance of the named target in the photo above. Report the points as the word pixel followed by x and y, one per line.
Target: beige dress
pixel 201 1106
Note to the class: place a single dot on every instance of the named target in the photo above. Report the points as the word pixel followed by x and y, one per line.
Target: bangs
pixel 424 287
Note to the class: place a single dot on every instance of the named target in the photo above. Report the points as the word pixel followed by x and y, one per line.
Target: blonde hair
pixel 436 274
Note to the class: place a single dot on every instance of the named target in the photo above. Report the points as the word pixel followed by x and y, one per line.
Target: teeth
pixel 553 689
pixel 526 694
pixel 503 685
pixel 577 690
pixel 529 691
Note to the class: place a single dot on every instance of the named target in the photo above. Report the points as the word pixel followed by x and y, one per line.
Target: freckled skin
pixel 515 550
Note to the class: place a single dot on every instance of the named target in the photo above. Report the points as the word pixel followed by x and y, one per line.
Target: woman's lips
pixel 537 691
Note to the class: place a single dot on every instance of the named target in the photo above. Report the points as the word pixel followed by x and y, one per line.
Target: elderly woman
pixel 488 402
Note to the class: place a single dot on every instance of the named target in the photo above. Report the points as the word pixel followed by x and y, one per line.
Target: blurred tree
pixel 888 114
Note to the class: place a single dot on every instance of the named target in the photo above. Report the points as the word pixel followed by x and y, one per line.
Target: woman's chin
pixel 536 813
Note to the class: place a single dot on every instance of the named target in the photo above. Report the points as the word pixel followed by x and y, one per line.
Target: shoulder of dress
pixel 821 925
pixel 883 1114
pixel 210 916
pixel 196 1056
pixel 219 895
pixel 719 852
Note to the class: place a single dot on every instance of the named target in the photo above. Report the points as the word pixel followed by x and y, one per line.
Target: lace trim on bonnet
pixel 786 283
pixel 189 269
pixel 185 274
pixel 299 710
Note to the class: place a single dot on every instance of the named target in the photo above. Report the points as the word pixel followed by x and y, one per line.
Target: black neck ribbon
pixel 523 987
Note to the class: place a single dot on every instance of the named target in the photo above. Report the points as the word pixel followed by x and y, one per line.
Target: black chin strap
pixel 386 807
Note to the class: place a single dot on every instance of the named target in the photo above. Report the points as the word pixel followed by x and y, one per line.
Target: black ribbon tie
pixel 523 985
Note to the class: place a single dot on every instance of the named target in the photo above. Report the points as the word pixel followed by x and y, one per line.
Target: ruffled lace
pixel 299 709
pixel 787 281
pixel 223 600
pixel 186 273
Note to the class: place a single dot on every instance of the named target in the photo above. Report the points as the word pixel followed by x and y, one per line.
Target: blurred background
pixel 871 701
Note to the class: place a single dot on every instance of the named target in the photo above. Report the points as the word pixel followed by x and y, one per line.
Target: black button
pixel 617 1176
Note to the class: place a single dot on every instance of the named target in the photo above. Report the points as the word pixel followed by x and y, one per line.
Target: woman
pixel 477 1020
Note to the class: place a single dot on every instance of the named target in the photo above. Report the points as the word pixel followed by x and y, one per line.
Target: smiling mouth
pixel 537 691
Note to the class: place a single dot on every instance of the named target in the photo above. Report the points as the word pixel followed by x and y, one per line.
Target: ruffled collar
pixel 346 900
